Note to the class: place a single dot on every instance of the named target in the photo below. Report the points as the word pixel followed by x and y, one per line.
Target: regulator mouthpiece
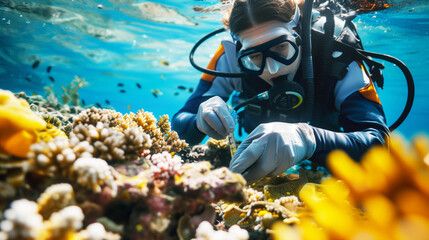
pixel 285 94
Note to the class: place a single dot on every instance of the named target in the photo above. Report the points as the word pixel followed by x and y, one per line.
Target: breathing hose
pixel 307 61
pixel 410 84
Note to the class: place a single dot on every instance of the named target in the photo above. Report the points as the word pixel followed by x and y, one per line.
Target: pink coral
pixel 163 165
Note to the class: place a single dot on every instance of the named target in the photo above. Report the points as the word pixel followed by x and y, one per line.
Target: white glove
pixel 214 118
pixel 272 148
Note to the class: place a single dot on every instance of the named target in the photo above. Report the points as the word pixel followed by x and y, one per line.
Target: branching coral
pixel 22 220
pixel 163 139
pixel 93 173
pixel 110 144
pixel 62 223
pixel 54 158
pixel 92 116
pixel 70 93
pixel 55 198
pixel 384 197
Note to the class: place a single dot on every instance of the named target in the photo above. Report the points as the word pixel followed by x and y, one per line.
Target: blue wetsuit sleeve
pixel 364 125
pixel 183 121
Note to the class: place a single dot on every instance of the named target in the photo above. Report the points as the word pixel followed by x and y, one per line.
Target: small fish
pixel 120 84
pixel 35 64
pixel 181 87
pixel 162 76
pixel 190 90
pixel 138 85
pixel 156 92
pixel 122 91
pixel 128 107
pixel 107 101
pixel 176 93
pixel 48 69
pixel 51 78
pixel 28 79
pixel 98 105
pixel 83 102
pixel 165 63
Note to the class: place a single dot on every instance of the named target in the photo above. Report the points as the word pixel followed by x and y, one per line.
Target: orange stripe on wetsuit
pixel 369 91
pixel 212 64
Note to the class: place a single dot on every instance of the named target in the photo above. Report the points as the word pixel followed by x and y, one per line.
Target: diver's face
pixel 274 69
pixel 270 46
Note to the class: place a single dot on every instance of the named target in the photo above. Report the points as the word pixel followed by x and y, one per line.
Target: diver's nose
pixel 272 65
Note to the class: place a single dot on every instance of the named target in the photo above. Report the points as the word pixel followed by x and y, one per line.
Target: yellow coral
pixel 49 133
pixel 386 196
pixel 17 125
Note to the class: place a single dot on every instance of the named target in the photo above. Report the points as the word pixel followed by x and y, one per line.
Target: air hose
pixel 409 79
pixel 307 61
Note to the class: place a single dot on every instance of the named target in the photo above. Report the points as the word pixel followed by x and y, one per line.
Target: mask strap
pixel 294 22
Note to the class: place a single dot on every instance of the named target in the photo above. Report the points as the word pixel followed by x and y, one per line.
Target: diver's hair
pixel 248 13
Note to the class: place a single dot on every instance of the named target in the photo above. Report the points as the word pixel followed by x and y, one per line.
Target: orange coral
pixel 18 125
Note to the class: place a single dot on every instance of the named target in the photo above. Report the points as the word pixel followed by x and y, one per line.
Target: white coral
pixel 253 195
pixel 93 173
pixel 205 231
pixel 110 144
pixel 94 231
pixel 289 202
pixel 68 220
pixel 22 220
pixel 54 198
pixel 53 157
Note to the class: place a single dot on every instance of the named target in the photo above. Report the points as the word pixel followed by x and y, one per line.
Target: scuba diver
pixel 294 109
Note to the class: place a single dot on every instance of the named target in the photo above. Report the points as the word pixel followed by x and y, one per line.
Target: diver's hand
pixel 214 118
pixel 272 148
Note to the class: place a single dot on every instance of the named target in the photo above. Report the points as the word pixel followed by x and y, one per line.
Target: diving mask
pixel 284 49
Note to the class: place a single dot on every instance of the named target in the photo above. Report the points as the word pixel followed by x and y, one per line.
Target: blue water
pixel 112 42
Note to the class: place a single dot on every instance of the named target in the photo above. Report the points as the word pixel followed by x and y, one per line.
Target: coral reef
pixel 115 176
pixel 110 171
pixel 172 196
